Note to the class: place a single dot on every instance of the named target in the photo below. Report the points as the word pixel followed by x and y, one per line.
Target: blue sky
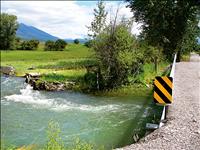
pixel 64 19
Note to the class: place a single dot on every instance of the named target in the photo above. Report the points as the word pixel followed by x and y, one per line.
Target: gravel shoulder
pixel 182 130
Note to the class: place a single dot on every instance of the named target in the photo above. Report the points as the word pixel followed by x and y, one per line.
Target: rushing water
pixel 108 121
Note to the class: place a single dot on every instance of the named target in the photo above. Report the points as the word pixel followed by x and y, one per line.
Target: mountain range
pixel 26 32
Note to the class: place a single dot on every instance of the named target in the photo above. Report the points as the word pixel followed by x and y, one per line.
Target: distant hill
pixel 29 32
pixel 72 40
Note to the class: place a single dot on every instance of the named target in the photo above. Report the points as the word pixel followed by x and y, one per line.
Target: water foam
pixel 34 98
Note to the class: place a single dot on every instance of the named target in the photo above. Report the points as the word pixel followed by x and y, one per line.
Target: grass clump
pixel 54 140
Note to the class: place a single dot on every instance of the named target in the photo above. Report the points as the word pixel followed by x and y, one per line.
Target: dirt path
pixel 182 130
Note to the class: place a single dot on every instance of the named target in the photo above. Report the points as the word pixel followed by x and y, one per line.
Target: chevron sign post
pixel 163 90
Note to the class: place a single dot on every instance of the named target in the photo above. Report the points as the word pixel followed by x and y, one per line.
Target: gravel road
pixel 182 130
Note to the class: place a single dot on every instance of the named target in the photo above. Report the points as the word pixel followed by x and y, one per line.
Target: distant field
pixel 61 62
pixel 71 51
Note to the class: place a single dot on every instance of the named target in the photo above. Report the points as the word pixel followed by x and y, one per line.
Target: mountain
pixel 29 32
pixel 82 41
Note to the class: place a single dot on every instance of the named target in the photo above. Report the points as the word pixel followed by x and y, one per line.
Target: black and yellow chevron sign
pixel 163 90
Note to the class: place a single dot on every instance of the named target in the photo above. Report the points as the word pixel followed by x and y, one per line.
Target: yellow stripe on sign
pixel 169 83
pixel 163 90
pixel 158 98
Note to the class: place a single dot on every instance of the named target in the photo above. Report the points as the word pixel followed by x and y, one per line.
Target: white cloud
pixel 65 19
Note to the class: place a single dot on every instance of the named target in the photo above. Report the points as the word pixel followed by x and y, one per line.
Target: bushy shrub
pixel 76 41
pixel 88 44
pixel 49 45
pixel 29 45
pixel 59 45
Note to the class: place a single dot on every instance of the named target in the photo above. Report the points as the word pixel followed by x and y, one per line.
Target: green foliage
pixel 88 44
pixel 164 22
pixel 151 54
pixel 29 45
pixel 80 145
pixel 49 45
pixel 98 24
pixel 93 81
pixel 76 41
pixel 8 28
pixel 60 45
pixel 190 42
pixel 119 59
pixel 54 140
pixel 17 43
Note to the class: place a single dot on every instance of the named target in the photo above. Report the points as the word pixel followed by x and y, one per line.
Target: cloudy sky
pixel 64 19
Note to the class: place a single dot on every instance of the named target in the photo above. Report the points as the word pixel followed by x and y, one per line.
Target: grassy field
pixel 68 63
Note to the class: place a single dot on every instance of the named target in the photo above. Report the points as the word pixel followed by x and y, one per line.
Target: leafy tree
pixel 76 41
pixel 49 45
pixel 151 54
pixel 164 21
pixel 17 43
pixel 8 27
pixel 88 43
pixel 60 44
pixel 98 24
pixel 117 56
pixel 29 45
pixel 190 42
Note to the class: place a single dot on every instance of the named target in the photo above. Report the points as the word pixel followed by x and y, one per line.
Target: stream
pixel 103 121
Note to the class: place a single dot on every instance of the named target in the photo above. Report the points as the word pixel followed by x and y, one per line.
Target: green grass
pixel 64 75
pixel 75 56
pixel 149 73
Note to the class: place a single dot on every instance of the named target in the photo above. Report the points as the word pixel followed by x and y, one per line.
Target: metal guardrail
pixel 163 117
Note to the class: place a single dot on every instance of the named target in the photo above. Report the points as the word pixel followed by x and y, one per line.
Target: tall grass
pixel 70 64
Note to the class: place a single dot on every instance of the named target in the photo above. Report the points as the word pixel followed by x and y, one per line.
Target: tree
pixel 99 22
pixel 76 41
pixel 88 43
pixel 49 45
pixel 164 21
pixel 60 45
pixel 190 42
pixel 117 56
pixel 29 45
pixel 8 28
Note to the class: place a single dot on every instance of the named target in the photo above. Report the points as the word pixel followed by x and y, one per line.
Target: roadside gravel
pixel 182 130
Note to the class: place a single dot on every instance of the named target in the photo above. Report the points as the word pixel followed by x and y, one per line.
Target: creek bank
pixel 38 84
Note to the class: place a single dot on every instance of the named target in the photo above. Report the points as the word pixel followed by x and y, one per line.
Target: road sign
pixel 163 90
